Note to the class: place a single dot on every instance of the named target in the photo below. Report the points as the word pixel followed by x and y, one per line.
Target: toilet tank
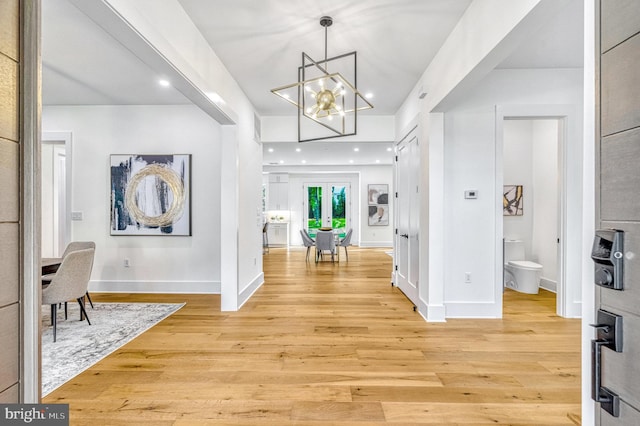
pixel 513 250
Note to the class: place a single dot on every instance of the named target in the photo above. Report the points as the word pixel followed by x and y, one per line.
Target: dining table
pixel 50 265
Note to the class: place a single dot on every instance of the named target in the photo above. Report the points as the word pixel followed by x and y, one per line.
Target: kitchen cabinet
pixel 278 192
pixel 278 234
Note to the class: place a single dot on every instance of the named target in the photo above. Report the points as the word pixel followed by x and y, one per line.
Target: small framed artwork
pixel 378 194
pixel 378 200
pixel 379 215
pixel 512 204
pixel 150 194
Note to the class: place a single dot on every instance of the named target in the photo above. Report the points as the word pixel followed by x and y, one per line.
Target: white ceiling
pixel 261 41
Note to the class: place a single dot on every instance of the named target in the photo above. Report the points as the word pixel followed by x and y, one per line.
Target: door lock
pixel 609 335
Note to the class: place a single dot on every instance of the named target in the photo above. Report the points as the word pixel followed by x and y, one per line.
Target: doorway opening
pixel 568 238
pixel 56 192
pixel 532 194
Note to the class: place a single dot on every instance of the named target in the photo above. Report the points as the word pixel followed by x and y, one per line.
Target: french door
pixel 327 205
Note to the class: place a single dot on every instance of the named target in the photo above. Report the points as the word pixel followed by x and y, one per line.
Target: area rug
pixel 80 345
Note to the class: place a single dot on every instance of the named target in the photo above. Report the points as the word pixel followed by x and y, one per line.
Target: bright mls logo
pixel 35 414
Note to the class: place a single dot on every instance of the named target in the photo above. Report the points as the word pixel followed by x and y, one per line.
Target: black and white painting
pixel 379 215
pixel 512 200
pixel 150 194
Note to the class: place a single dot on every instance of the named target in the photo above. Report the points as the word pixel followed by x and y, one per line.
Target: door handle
pixel 609 401
pixel 609 335
pixel 405 236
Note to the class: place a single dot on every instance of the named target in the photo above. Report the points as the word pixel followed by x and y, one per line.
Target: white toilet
pixel 519 274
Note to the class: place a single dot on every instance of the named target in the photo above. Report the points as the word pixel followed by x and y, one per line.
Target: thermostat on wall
pixel 471 194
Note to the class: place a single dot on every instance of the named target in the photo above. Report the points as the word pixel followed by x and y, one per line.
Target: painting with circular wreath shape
pixel 150 194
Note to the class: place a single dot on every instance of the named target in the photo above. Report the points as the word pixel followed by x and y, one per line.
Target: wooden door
pixel 616 367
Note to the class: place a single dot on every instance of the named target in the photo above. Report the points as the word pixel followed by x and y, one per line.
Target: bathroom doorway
pixel 531 196
pixel 551 193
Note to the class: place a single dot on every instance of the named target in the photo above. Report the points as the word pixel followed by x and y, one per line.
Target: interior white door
pixel 406 252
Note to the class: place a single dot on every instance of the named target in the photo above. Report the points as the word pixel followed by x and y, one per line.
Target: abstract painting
pixel 378 194
pixel 378 200
pixel 512 204
pixel 150 194
pixel 379 215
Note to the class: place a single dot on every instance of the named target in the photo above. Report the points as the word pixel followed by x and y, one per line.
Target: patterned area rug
pixel 80 345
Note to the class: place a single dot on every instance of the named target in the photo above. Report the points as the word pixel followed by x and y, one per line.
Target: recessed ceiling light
pixel 351 161
pixel 388 149
pixel 298 150
pixel 356 149
pixel 369 95
pixel 304 161
pixel 281 161
pixel 164 83
pixel 377 161
pixel 270 150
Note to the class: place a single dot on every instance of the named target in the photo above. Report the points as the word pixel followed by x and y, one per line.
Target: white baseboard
pixel 472 310
pixel 432 313
pixel 248 291
pixel 187 287
pixel 548 284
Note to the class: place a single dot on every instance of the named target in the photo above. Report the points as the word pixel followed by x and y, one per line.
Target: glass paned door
pixel 338 206
pixel 314 208
pixel 327 205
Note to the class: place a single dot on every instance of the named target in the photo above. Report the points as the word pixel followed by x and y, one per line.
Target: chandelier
pixel 327 101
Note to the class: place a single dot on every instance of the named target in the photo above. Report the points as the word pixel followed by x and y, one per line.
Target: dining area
pixel 326 241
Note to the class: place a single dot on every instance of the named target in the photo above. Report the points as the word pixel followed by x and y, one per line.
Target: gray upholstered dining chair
pixel 69 282
pixel 80 245
pixel 345 242
pixel 307 241
pixel 74 246
pixel 325 241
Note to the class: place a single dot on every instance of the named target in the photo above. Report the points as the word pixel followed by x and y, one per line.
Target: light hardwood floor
pixel 334 344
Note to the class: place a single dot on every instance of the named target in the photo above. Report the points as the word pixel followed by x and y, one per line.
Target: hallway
pixel 334 344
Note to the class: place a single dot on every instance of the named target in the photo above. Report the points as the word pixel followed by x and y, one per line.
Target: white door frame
pixel 568 300
pixel 65 139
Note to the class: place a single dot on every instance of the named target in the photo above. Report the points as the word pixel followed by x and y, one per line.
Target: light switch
pixel 471 194
pixel 76 215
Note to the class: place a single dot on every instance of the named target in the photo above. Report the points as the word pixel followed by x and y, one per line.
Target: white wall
pixel 158 264
pixel 359 177
pixel 470 152
pixel 518 170
pixel 371 128
pixel 178 49
pixel 544 245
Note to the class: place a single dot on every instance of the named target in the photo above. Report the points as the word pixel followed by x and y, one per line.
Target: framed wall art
pixel 378 200
pixel 512 204
pixel 151 194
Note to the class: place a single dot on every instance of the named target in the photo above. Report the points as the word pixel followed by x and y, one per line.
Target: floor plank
pixel 334 344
